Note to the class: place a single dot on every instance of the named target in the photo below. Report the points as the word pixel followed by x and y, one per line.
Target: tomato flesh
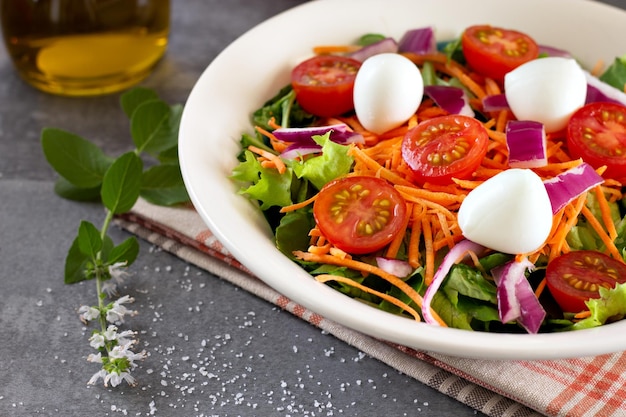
pixel 359 214
pixel 445 147
pixel 597 133
pixel 577 276
pixel 493 51
pixel 324 84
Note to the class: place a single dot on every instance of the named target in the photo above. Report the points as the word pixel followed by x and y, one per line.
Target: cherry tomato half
pixel 597 133
pixel 359 214
pixel 324 84
pixel 445 147
pixel 493 51
pixel 577 276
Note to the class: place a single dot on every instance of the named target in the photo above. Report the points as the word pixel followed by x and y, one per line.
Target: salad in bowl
pixel 474 183
pixel 376 174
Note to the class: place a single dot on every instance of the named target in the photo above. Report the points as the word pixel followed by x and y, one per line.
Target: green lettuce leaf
pixel 611 306
pixel 268 186
pixel 334 162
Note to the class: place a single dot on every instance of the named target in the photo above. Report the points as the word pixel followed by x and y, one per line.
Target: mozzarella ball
pixel 509 213
pixel 547 90
pixel 388 89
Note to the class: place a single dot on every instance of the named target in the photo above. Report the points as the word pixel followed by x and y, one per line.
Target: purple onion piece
pixel 304 134
pixel 451 99
pixel 383 46
pixel 552 51
pixel 296 150
pixel 598 90
pixel 418 41
pixel 516 299
pixel 456 254
pixel 532 313
pixel 495 102
pixel 395 267
pixel 568 185
pixel 526 142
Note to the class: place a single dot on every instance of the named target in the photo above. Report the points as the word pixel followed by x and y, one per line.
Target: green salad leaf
pixel 268 186
pixel 611 306
pixel 333 162
pixel 615 74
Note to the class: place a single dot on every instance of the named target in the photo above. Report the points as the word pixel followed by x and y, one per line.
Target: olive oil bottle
pixel 85 47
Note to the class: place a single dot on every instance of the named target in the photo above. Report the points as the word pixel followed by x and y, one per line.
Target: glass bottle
pixel 85 47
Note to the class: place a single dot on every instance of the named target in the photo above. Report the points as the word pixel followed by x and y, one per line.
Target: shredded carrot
pixel 606 212
pixel 582 315
pixel 597 68
pixel 429 271
pixel 416 231
pixel 388 298
pixel 320 250
pixel 262 131
pixel 298 206
pixel 394 246
pixel 334 49
pixel 375 166
pixel 364 267
pixel 441 198
pixel 272 123
pixel 558 240
pixel 275 159
pixel 597 227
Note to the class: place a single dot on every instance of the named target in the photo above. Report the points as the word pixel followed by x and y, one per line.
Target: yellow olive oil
pixel 85 47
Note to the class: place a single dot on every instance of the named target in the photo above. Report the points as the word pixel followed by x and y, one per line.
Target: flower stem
pixel 99 278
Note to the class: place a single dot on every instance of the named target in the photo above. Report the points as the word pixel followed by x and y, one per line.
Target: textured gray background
pixel 214 349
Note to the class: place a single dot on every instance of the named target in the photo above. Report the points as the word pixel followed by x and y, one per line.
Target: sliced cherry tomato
pixel 359 214
pixel 493 51
pixel 324 84
pixel 445 147
pixel 597 133
pixel 577 276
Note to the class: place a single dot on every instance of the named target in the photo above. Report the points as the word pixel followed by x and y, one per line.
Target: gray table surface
pixel 214 348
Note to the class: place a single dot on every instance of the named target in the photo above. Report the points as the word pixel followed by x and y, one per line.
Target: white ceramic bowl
pixel 255 66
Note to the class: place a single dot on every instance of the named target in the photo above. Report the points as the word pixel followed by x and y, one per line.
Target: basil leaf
pixel 89 240
pixel 122 183
pixel 75 264
pixel 126 251
pixel 66 189
pixel 79 161
pixel 132 99
pixel 154 126
pixel 163 185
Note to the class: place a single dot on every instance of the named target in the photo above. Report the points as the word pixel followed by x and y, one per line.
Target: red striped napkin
pixel 581 387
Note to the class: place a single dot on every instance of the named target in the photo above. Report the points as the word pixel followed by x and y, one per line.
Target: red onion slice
pixel 383 46
pixel 456 254
pixel 495 102
pixel 598 90
pixel 526 142
pixel 296 150
pixel 395 267
pixel 568 185
pixel 418 41
pixel 516 299
pixel 451 99
pixel 552 51
pixel 339 133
